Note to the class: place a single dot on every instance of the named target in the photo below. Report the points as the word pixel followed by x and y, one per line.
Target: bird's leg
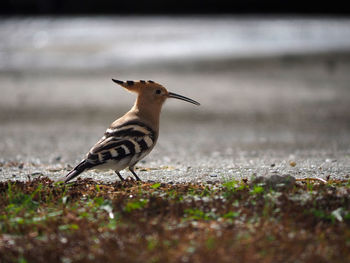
pixel 133 172
pixel 119 175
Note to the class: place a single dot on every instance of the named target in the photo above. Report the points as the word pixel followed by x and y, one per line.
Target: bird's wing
pixel 122 141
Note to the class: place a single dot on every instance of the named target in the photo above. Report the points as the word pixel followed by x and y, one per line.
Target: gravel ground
pixel 276 115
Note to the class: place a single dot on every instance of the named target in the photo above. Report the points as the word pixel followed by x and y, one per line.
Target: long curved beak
pixel 180 97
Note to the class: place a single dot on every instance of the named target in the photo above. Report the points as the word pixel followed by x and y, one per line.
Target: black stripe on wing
pixel 106 155
pixel 143 145
pixel 131 129
pixel 121 151
pixel 130 132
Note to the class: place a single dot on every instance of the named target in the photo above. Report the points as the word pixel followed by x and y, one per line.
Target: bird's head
pixel 151 92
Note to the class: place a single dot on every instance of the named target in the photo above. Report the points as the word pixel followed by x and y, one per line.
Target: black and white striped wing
pixel 132 140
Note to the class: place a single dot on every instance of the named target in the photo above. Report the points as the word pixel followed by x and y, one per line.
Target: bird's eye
pixel 158 91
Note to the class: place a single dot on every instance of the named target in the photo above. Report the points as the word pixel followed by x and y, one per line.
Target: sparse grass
pixel 86 221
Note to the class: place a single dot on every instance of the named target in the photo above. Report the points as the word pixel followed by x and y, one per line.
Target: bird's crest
pixel 135 86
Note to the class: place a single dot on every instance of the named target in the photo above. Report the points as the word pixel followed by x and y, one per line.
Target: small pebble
pixel 213 175
pixel 292 163
pixel 36 174
pixel 273 165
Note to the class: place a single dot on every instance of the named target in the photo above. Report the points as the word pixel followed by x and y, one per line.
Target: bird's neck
pixel 150 114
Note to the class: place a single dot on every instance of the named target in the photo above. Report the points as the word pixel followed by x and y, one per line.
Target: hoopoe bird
pixel 131 137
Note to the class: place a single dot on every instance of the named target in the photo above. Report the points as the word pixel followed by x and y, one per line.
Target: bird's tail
pixel 81 167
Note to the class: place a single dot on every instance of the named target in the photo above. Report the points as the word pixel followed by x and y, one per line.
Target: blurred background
pixel 272 77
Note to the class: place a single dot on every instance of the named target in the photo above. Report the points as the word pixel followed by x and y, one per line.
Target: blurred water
pixel 116 42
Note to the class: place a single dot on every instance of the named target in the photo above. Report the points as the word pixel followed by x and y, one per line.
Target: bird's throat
pixel 150 114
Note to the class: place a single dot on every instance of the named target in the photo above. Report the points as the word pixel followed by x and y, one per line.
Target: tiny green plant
pixel 257 189
pixel 309 185
pixel 155 186
pixel 197 214
pixel 135 205
pixel 231 215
